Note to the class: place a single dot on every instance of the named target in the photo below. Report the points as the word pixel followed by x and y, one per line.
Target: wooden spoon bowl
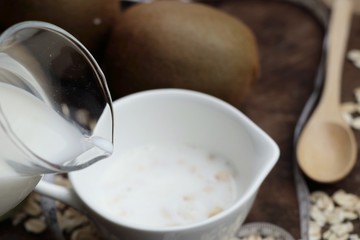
pixel 327 149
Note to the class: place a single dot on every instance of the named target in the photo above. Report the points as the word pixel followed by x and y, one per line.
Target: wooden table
pixel 290 41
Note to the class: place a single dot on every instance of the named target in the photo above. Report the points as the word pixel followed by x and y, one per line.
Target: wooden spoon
pixel 327 148
pixel 356 5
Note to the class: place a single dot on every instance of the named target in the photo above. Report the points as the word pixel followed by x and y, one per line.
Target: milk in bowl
pixel 185 166
pixel 166 185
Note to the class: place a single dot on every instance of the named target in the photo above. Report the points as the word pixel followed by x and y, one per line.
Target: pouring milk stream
pixel 52 99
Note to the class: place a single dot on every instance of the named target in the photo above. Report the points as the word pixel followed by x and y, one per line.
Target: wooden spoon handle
pixel 339 29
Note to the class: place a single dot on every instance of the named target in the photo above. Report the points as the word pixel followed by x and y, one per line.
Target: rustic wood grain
pixel 290 42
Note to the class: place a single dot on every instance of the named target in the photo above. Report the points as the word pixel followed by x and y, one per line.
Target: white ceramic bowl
pixel 179 116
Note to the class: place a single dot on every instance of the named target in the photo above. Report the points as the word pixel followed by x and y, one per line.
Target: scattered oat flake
pixel 336 216
pixel 68 223
pixel 349 107
pixel 70 220
pixel 324 203
pixel 354 55
pixel 32 207
pixel 317 195
pixel 348 118
pixel 215 211
pixel 357 94
pixel 61 180
pixel 354 237
pixel 340 219
pixel 317 215
pixel 223 176
pixel 35 225
pixel 345 200
pixel 328 234
pixel 254 237
pixel 341 229
pixel 355 123
pixel 314 230
pixel 356 63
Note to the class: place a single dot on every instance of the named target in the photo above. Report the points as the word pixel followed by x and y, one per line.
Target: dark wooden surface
pixel 290 42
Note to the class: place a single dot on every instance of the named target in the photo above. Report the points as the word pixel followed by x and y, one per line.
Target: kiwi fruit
pixel 172 44
pixel 90 21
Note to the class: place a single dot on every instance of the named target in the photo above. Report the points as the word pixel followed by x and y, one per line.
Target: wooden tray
pixel 290 41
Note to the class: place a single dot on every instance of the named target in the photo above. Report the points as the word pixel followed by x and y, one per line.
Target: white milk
pixel 40 131
pixel 38 127
pixel 31 132
pixel 29 125
pixel 166 185
pixel 34 137
pixel 14 188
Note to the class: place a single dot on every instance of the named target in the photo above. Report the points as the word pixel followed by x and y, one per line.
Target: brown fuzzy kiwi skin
pixel 90 21
pixel 169 44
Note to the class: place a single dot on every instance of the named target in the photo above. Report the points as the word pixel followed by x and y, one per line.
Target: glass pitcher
pixel 55 108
